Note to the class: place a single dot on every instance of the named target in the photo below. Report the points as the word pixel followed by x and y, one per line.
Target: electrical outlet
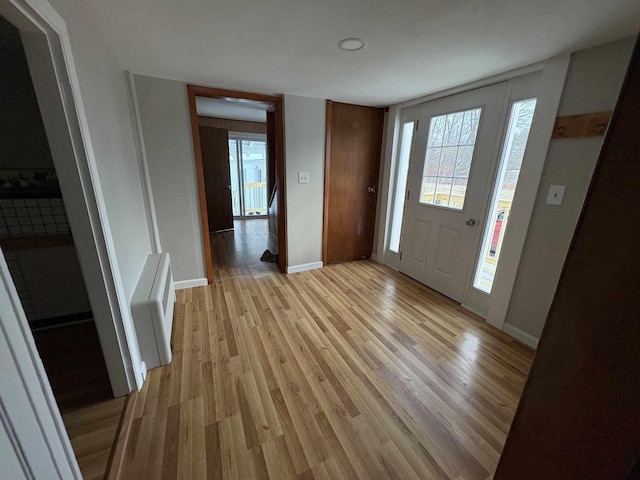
pixel 303 177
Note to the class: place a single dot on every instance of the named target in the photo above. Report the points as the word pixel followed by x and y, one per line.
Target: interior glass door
pixel 248 161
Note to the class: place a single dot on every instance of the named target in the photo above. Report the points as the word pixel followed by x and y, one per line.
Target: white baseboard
pixel 518 334
pixel 195 282
pixel 304 267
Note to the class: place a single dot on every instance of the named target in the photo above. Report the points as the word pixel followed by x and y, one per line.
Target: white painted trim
pixel 549 94
pixel 551 85
pixel 195 282
pixel 374 257
pixel 483 82
pixel 143 164
pixel 87 213
pixel 304 267
pixel 520 88
pixel 386 180
pixel 29 413
pixel 518 334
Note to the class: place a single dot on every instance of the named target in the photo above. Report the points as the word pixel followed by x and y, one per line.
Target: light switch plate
pixel 303 177
pixel 556 194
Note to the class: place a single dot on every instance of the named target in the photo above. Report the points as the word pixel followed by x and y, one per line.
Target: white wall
pixel 54 281
pixel 166 130
pixel 105 103
pixel 304 142
pixel 111 254
pixel 592 85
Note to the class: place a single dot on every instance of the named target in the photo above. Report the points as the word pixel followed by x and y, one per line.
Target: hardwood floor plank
pixel 352 371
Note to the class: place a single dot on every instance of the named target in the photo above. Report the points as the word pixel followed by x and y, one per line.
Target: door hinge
pixel 408 194
pixel 417 123
pixel 401 255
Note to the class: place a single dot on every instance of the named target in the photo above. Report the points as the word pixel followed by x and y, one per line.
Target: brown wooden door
pixel 354 137
pixel 214 145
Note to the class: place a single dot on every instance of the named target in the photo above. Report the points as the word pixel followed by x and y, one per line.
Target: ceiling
pixel 215 107
pixel 413 47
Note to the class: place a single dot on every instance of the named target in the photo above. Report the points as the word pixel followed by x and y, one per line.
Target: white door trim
pixel 29 413
pixel 550 92
pixel 143 163
pixel 554 73
pixel 87 211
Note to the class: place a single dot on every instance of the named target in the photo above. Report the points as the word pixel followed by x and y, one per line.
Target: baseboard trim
pixel 304 267
pixel 196 282
pixel 518 334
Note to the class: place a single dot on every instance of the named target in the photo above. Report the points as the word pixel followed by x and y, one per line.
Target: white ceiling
pixel 414 47
pixel 214 107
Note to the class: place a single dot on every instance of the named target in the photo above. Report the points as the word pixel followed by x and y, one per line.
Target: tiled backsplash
pixel 32 216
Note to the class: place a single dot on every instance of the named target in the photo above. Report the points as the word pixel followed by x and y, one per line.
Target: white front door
pixel 451 169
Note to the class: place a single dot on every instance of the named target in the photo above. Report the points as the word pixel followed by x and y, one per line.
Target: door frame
pixel 29 414
pixel 327 168
pixel 194 91
pixel 80 184
pixel 491 147
pixel 554 71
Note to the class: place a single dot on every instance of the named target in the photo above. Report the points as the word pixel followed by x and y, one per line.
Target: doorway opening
pixel 40 251
pixel 239 154
pixel 248 165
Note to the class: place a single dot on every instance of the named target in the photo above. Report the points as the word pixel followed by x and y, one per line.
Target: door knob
pixel 371 189
pixel 229 187
pixel 471 222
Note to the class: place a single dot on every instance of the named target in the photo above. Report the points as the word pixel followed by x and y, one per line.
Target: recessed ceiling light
pixel 351 44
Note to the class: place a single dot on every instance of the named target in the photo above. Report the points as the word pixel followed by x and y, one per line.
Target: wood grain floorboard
pixel 352 371
pixel 92 430
pixel 72 357
pixel 237 252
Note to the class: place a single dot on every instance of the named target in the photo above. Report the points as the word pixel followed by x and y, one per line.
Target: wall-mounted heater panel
pixel 152 309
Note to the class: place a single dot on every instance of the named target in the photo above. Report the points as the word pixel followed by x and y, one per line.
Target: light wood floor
pixel 237 252
pixel 92 431
pixel 351 371
pixel 72 357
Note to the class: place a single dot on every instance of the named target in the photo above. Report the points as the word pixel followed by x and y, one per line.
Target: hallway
pixel 237 252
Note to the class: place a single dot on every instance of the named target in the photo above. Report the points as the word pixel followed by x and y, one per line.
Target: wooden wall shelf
pixel 586 125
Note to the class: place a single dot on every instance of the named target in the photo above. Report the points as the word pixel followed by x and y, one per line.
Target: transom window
pixel 447 163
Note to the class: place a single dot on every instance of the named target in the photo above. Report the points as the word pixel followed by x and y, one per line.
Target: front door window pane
pixel 447 164
pixel 401 185
pixel 508 173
